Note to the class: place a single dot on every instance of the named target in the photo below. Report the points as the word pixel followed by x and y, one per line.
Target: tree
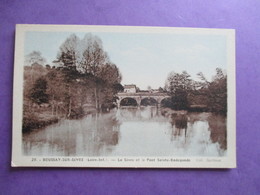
pixel 87 70
pixel 69 57
pixel 56 88
pixel 94 57
pixel 218 92
pixel 93 53
pixel 96 62
pixel 34 67
pixel 160 89
pixel 179 85
pixel 214 92
pixel 33 70
pixel 38 93
pixel 119 88
pixel 31 74
pixel 109 78
pixel 110 73
pixel 34 57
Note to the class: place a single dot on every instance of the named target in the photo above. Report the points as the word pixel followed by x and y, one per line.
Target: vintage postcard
pixel 123 96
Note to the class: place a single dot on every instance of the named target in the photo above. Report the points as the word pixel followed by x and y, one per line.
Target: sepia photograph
pixel 121 96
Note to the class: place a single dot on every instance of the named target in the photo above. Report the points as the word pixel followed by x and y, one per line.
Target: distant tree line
pixel 187 93
pixel 83 76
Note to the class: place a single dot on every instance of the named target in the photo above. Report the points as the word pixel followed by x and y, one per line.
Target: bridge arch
pixel 166 102
pixel 140 99
pixel 128 101
pixel 148 101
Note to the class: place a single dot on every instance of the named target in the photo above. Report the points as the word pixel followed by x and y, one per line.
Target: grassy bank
pixel 33 121
pixel 39 117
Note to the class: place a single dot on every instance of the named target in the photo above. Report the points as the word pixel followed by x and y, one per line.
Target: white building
pixel 130 88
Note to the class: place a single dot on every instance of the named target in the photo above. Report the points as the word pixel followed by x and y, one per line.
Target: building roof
pixel 130 86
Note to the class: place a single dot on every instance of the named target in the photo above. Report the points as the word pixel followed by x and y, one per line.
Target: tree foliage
pixel 185 92
pixel 34 57
pixel 217 92
pixel 84 76
pixel 179 86
pixel 38 92
pixel 84 60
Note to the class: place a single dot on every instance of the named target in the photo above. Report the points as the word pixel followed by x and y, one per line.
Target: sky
pixel 145 59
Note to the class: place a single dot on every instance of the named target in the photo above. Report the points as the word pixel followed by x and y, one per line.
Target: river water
pixel 131 132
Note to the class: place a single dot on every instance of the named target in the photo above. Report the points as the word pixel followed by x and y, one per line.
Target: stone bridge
pixel 141 96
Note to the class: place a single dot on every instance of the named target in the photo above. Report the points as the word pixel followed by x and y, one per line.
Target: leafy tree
pixel 31 74
pixel 34 57
pixel 93 54
pixel 179 86
pixel 68 56
pixel 38 93
pixel 94 63
pixel 56 88
pixel 87 69
pixel 33 70
pixel 160 89
pixel 214 92
pixel 218 92
pixel 109 78
pixel 118 87
pixel 110 73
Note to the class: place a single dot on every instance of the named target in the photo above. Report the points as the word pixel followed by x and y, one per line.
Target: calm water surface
pixel 131 132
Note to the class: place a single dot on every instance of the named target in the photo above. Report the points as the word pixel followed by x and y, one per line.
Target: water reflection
pixel 132 132
pixel 218 133
pixel 86 137
pixel 179 123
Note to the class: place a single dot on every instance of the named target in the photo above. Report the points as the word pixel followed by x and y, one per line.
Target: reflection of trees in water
pixel 99 134
pixel 179 124
pixel 198 116
pixel 217 126
pixel 218 130
pixel 105 131
pixel 127 113
pixel 92 136
pixel 69 143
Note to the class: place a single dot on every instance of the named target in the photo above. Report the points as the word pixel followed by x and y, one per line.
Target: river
pixel 131 132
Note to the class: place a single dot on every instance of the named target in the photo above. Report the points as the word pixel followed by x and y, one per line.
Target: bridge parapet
pixel 139 96
pixel 142 94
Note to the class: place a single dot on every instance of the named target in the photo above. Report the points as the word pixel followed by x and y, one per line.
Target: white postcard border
pixel 19 160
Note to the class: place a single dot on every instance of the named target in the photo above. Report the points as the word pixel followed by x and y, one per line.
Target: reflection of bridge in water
pixel 143 98
pixel 148 114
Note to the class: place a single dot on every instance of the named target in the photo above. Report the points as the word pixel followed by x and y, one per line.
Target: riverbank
pixel 193 116
pixel 33 121
pixel 168 111
pixel 42 117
